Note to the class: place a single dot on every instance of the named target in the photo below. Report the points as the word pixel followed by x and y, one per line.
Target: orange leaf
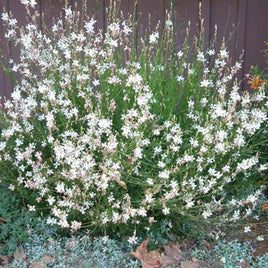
pixel 264 207
pixel 151 259
pixel 19 254
pixel 173 254
pixel 2 220
pixel 37 264
pixel 255 82
pixel 3 260
pixel 188 264
pixel 47 259
pixel 207 245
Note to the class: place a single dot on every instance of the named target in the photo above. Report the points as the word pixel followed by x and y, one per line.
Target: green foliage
pixel 230 255
pixel 74 251
pixel 14 229
pixel 118 135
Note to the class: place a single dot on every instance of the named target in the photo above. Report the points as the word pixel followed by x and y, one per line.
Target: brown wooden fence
pixel 246 19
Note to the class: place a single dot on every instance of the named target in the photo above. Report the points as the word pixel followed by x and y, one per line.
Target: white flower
pixel 31 208
pixel 260 238
pixel 89 26
pixel 105 238
pixel 223 259
pixel 204 102
pixel 50 120
pixel 262 167
pixel 153 38
pixel 51 200
pixel 105 125
pixel 11 187
pixel 138 153
pixel 164 174
pixel 247 229
pixel 75 225
pixel 226 168
pixel 224 53
pixel 150 181
pixel 126 29
pixel 205 83
pixel 51 221
pixel 134 80
pixel 133 239
pixel 206 214
pixel 179 78
pixel 68 12
pixel 179 54
pixel 166 211
pixel 201 57
pixel 60 187
pixel 211 52
pixel 31 3
pixel 161 164
pixel 5 16
pixel 169 24
pixel 2 145
pixel 220 148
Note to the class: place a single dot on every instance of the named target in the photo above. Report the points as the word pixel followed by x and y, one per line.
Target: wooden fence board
pixel 156 9
pixel 224 15
pixel 256 33
pixel 240 33
pixel 50 10
pixel 249 16
pixel 5 83
pixel 206 17
pixel 186 11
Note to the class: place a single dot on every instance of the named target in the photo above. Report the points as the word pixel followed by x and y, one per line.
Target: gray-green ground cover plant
pixel 113 136
pixel 14 221
pixel 232 254
pixel 74 251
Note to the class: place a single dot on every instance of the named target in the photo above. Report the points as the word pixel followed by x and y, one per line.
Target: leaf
pixel 141 250
pixel 188 264
pixel 264 207
pixel 19 254
pixel 173 254
pixel 37 264
pixel 2 220
pixel 194 259
pixel 48 259
pixel 151 259
pixel 48 245
pixel 3 260
pixel 245 265
pixel 206 243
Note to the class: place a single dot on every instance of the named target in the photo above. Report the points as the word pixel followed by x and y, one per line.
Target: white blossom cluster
pixel 81 136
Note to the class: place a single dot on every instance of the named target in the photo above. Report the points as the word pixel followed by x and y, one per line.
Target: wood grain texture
pixel 245 19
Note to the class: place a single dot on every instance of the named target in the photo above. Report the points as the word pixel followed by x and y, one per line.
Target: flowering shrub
pixel 104 134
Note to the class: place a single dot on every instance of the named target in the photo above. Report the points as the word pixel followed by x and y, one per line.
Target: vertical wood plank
pixel 52 10
pixel 240 34
pixel 153 8
pixel 94 8
pixel 224 15
pixel 256 33
pixel 5 83
pixel 206 16
pixel 127 7
pixel 187 11
pixel 3 5
pixel 20 13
